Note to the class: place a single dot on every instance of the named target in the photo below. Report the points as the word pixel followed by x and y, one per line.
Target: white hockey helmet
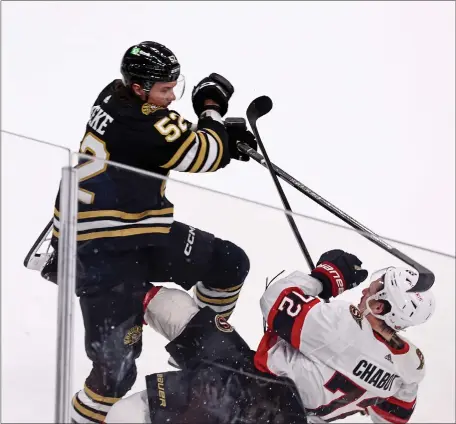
pixel 407 308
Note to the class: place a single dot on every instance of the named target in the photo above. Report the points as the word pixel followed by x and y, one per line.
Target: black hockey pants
pixel 112 287
pixel 219 383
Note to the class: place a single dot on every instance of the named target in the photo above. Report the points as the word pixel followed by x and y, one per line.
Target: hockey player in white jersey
pixel 323 361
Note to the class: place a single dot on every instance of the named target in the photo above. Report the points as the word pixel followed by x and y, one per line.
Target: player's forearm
pixel 168 311
pixel 201 149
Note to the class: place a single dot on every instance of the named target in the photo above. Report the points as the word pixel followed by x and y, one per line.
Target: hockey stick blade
pixel 259 107
pixel 33 260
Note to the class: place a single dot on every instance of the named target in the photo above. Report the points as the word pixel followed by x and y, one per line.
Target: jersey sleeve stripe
pixel 401 403
pixel 212 153
pixel 261 356
pixel 189 157
pixel 287 316
pixel 395 410
pixel 201 154
pixel 299 322
pixel 180 151
pixel 220 151
pixel 275 308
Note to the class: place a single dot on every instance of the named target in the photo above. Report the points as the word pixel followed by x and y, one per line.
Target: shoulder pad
pixel 411 366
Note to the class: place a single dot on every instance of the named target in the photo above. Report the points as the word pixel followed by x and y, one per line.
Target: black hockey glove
pixel 215 88
pixel 338 271
pixel 238 132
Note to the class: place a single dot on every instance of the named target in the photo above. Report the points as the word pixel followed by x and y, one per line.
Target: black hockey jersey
pixel 120 209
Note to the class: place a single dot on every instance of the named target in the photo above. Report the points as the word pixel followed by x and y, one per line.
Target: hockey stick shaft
pixel 253 113
pixel 426 276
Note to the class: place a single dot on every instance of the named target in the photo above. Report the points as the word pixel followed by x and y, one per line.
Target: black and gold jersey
pixel 120 209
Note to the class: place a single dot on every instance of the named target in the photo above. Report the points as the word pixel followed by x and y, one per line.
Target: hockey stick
pixel 258 108
pixel 36 261
pixel 426 277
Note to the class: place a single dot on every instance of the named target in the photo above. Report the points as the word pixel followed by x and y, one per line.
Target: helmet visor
pixel 164 93
pixel 379 275
pixel 179 89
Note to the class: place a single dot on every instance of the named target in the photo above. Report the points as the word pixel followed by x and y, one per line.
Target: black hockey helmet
pixel 149 62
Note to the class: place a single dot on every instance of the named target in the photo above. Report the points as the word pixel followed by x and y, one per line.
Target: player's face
pixel 162 94
pixel 376 306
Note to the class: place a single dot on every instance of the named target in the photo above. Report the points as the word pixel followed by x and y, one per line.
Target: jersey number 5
pixel 91 144
pixel 171 131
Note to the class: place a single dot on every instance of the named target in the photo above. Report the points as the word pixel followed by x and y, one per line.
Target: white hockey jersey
pixel 338 363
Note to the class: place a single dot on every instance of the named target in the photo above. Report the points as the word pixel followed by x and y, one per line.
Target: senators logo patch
pixel 222 324
pixel 133 335
pixel 421 358
pixel 357 316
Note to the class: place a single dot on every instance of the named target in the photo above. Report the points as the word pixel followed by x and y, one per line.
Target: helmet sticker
pixel 138 52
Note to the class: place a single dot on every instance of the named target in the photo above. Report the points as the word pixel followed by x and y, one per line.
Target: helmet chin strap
pixel 368 309
pixel 147 92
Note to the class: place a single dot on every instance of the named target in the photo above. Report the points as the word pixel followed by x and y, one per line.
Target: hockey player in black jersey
pixel 126 234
